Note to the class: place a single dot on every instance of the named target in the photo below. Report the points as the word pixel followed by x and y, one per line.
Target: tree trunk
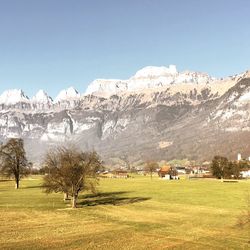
pixel 74 199
pixel 17 184
pixel 66 196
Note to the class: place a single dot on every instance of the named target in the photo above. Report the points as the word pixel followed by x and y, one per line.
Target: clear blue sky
pixel 53 44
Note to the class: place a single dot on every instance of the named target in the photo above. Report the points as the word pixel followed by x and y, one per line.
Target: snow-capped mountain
pixel 233 111
pixel 67 98
pixel 67 94
pixel 41 100
pixel 158 113
pixel 42 97
pixel 13 96
pixel 150 77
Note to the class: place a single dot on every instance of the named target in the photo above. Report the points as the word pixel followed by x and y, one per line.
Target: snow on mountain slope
pixel 189 113
pixel 153 72
pixel 245 97
pixel 13 96
pixel 150 77
pixel 232 111
pixel 41 100
pixel 42 97
pixel 106 86
pixel 67 94
pixel 146 81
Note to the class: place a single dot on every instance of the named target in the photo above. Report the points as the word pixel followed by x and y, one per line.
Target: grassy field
pixel 134 213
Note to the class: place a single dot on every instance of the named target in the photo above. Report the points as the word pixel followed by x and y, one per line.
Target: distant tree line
pixel 221 167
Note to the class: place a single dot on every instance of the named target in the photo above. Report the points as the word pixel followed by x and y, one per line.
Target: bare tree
pixel 151 167
pixel 71 171
pixel 125 158
pixel 13 160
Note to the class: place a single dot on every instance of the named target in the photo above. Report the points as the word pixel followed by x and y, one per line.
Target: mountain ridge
pixel 182 120
pixel 147 79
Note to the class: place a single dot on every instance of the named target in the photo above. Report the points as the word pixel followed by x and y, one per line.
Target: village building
pixel 245 173
pixel 120 173
pixel 181 170
pixel 167 172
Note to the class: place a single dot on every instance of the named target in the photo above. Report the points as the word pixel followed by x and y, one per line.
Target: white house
pixel 245 173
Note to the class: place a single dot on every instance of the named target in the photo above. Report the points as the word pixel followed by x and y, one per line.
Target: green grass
pixel 134 213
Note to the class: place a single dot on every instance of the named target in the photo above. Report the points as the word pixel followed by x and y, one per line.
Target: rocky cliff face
pixel 180 118
pixel 148 78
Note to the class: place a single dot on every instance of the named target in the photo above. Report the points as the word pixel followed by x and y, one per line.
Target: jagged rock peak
pixel 106 86
pixel 42 97
pixel 67 94
pixel 13 96
pixel 150 77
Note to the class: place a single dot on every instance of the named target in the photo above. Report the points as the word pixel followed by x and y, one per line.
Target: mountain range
pixel 157 114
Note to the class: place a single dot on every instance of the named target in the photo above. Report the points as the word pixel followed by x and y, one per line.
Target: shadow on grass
pixel 109 198
pixel 30 187
pixel 103 194
pixel 5 180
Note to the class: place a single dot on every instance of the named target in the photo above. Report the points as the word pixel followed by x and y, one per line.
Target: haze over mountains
pixel 159 113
